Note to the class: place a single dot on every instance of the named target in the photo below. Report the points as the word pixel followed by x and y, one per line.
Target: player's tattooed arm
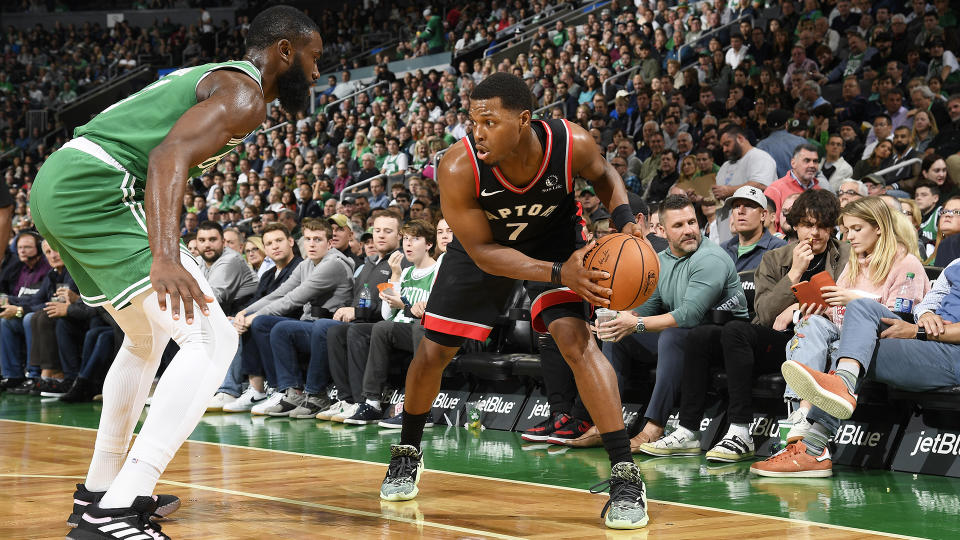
pixel 230 105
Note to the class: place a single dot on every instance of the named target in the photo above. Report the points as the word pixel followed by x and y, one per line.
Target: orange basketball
pixel 633 267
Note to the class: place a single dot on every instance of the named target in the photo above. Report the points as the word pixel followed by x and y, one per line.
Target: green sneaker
pixel 406 466
pixel 627 507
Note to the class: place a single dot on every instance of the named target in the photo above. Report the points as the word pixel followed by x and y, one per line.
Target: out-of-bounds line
pixel 271 498
pixel 525 483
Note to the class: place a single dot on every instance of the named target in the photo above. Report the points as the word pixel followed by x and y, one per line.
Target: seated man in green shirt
pixel 698 283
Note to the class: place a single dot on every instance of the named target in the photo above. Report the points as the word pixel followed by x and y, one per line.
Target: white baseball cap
pixel 749 193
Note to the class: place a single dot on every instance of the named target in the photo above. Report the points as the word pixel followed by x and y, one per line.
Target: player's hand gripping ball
pixel 632 265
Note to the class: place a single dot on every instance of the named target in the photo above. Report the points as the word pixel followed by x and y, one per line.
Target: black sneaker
pixel 25 388
pixel 544 429
pixel 55 388
pixel 11 383
pixel 366 414
pixel 114 523
pixel 83 498
pixel 82 390
pixel 571 430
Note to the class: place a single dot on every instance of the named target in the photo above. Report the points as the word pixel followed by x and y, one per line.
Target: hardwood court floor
pixel 248 490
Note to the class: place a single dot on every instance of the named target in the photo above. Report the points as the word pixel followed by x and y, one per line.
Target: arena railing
pixel 525 28
pixel 908 163
pixel 313 94
pixel 617 76
pixel 519 40
pixel 537 113
pixel 707 35
pixel 356 188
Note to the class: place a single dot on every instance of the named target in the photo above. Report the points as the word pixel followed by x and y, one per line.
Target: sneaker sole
pixel 534 438
pixel 359 422
pixel 235 410
pixel 806 386
pixel 386 425
pixel 303 416
pixel 52 394
pixel 728 458
pixel 659 452
pixel 279 414
pixel 562 441
pixel 800 474
pixel 162 511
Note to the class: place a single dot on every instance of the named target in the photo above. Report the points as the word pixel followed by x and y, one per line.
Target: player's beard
pixel 293 89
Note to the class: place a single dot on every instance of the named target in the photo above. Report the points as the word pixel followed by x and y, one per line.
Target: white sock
pixel 127 485
pixel 103 469
pixel 740 430
pixel 687 434
pixel 206 349
pixel 849 365
pixel 375 403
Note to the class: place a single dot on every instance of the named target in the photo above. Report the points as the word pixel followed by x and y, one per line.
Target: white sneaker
pixel 336 408
pixel 349 409
pixel 731 449
pixel 674 444
pixel 799 426
pixel 218 401
pixel 246 401
pixel 261 408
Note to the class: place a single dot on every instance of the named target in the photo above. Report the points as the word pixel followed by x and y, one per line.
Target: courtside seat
pixel 486 366
pixel 945 399
pixel 765 386
pixel 527 365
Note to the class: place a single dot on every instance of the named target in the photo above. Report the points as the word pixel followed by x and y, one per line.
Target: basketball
pixel 633 267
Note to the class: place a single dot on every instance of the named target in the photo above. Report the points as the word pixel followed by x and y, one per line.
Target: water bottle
pixel 363 303
pixel 904 303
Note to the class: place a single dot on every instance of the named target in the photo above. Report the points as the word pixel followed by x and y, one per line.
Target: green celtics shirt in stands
pixel 131 128
pixel 415 286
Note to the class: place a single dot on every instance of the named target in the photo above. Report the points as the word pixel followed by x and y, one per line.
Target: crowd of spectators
pixel 740 121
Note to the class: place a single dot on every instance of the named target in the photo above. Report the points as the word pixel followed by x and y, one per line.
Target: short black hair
pixel 818 204
pixel 733 130
pixel 210 226
pixel 673 202
pixel 805 147
pixel 279 22
pixel 929 184
pixel 512 91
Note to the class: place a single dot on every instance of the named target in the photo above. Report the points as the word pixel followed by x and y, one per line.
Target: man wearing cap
pixel 341 236
pixel 876 185
pixel 802 176
pixel 943 63
pixel 591 205
pixel 780 144
pixel 748 207
pixel 433 35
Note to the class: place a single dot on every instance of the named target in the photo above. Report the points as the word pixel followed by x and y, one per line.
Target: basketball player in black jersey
pixel 507 192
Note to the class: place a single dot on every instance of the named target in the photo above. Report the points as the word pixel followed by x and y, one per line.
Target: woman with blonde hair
pixel 924 130
pixel 360 146
pixel 688 168
pixel 879 264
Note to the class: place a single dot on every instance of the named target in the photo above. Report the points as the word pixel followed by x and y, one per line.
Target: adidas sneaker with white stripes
pixel 131 523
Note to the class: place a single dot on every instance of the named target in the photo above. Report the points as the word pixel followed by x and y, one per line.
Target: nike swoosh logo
pixel 255 400
pixel 485 193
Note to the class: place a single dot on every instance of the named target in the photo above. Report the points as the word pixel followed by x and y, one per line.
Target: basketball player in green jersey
pixel 109 201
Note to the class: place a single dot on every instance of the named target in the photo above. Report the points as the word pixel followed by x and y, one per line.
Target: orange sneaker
pixel 825 390
pixel 794 462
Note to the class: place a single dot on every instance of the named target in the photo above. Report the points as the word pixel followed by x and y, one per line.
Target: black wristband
pixel 622 215
pixel 921 334
pixel 555 274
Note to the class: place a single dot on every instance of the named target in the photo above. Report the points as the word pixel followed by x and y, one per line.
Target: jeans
pixel 348 346
pixel 814 344
pixel 98 347
pixel 669 346
pixel 233 381
pixel 908 364
pixel 289 339
pixel 12 337
pixel 387 336
pixel 318 372
pixel 262 362
pixel 744 350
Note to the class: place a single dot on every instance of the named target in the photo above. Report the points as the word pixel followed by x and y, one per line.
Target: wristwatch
pixel 641 328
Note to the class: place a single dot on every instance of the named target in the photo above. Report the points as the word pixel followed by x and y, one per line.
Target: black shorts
pixel 465 301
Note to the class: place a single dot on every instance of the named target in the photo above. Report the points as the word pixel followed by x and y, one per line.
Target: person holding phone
pixel 877 268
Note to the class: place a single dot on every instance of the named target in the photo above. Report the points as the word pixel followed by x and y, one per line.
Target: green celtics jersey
pixel 131 128
pixel 415 286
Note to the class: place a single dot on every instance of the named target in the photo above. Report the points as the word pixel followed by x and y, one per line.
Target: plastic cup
pixel 4 299
pixel 605 315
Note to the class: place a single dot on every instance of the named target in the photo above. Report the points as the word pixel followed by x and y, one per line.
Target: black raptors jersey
pixel 542 219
